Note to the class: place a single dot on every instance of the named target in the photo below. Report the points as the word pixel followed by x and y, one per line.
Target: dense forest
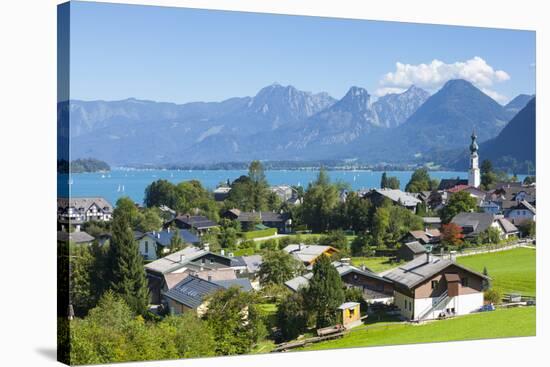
pixel 83 165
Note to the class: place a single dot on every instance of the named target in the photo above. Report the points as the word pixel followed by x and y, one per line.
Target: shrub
pixel 493 295
pixel 272 244
pixel 291 316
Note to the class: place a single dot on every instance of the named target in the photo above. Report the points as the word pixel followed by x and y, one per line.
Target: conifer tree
pixel 127 274
pixel 384 181
pixel 325 292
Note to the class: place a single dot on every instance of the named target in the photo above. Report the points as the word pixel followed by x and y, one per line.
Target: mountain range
pixel 515 146
pixel 284 123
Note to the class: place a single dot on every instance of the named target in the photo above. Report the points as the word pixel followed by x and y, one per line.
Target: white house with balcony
pixel 430 287
pixel 76 211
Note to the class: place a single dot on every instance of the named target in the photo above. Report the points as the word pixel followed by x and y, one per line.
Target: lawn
pixel 513 271
pixel 376 264
pixel 497 324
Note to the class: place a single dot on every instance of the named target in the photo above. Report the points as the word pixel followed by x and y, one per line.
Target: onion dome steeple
pixel 473 146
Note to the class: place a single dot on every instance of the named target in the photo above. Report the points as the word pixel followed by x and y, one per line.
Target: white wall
pixel 520 214
pixel 463 305
pixel 151 254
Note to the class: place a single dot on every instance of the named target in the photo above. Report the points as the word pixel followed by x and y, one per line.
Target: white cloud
pixel 500 98
pixel 387 90
pixel 432 76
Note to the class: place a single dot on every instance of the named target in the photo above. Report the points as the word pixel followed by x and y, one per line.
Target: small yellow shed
pixel 351 314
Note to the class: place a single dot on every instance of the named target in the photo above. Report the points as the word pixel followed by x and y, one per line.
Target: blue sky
pixel 182 55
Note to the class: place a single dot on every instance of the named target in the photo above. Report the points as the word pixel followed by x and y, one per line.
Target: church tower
pixel 474 175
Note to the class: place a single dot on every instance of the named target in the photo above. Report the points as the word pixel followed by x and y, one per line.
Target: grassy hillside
pixel 497 324
pixel 513 271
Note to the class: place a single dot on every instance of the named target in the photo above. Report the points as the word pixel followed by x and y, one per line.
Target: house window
pixel 434 284
pixel 464 282
pixel 405 304
pixel 146 247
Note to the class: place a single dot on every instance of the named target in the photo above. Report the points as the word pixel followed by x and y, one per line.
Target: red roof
pixel 458 188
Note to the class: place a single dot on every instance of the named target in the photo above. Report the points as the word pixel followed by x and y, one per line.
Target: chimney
pixel 363 267
pixel 427 257
pixel 300 246
pixel 209 277
pixel 182 257
pixel 222 252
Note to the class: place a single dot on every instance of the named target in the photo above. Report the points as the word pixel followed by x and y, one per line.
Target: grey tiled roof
pixel 243 283
pixel 507 226
pixel 238 261
pixel 306 253
pixel 478 222
pixel 299 281
pixel 260 216
pixel 415 247
pixel 418 270
pixel 253 262
pixel 175 261
pixel 163 238
pixel 191 291
pixel 196 221
pixel 403 197
pixel 75 237
pixel 84 202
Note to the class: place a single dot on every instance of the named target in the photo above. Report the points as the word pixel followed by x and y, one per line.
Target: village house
pixel 410 251
pixel 190 294
pixel 308 254
pixel 473 224
pixel 430 287
pixel 221 193
pixel 425 237
pixel 168 212
pixel 79 238
pixel 398 197
pixel 432 222
pixel 280 221
pixel 374 287
pixel 190 260
pixel 251 267
pixel 521 212
pixel 76 211
pixel 197 224
pixel 515 191
pixel 285 192
pixel 434 200
pixel 491 206
pixel 153 244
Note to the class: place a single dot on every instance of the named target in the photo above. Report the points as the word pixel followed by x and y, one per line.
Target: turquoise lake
pixel 132 183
